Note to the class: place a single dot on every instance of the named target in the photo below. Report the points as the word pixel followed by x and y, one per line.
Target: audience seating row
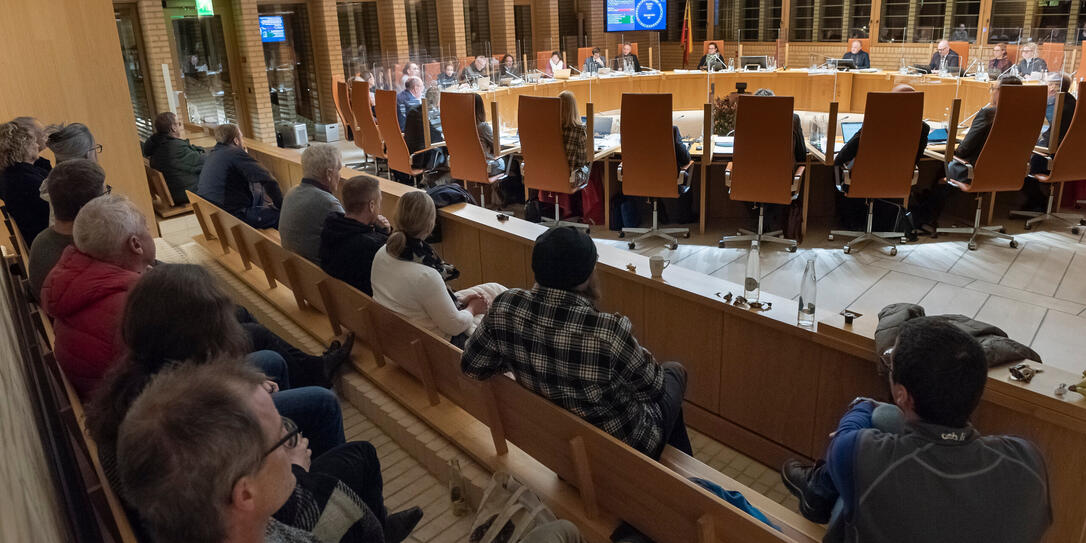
pixel 659 501
pixel 35 336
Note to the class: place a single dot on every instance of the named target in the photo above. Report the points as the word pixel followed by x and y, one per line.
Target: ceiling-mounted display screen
pixel 634 15
pixel 272 29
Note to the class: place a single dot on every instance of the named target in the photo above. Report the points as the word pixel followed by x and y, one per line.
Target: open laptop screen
pixel 850 129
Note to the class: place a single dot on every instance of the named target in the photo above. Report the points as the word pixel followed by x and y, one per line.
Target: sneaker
pixel 336 354
pixel 797 477
pixel 399 525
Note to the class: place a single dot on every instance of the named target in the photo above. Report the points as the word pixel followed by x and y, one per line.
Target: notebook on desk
pixel 937 136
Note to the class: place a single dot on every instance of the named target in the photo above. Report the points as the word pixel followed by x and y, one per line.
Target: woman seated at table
pixel 410 278
pixel 555 63
pixel 508 67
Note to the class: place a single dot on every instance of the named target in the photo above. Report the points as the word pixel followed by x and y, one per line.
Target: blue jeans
pixel 272 365
pixel 316 412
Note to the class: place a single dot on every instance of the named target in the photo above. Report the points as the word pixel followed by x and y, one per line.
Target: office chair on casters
pixel 761 170
pixel 542 147
pixel 1068 163
pixel 368 137
pixel 885 163
pixel 467 162
pixel 399 156
pixel 1004 160
pixel 648 161
pixel 341 98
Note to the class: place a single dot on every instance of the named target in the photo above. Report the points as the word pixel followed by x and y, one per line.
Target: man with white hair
pixel 85 292
pixel 307 205
pixel 410 96
pixel 944 58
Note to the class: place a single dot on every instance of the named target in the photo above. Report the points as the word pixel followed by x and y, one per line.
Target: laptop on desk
pixel 849 129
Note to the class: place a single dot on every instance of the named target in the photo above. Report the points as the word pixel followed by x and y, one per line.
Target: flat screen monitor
pixel 272 29
pixel 633 15
pixel 760 62
pixel 842 63
pixel 849 129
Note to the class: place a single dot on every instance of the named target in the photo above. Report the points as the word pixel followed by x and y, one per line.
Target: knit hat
pixel 563 258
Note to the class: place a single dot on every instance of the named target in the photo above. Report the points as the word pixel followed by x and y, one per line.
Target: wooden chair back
pixel 161 199
pixel 600 466
pixel 719 46
pixel 1053 54
pixel 341 97
pixel 886 159
pixel 1012 52
pixel 401 345
pixel 763 161
pixel 431 70
pixel 388 123
pixel 463 62
pixel 962 48
pixel 372 143
pixel 542 145
pixel 648 146
pixel 1081 73
pixel 1004 160
pixel 582 55
pixel 1069 162
pixel 467 161
pixel 542 60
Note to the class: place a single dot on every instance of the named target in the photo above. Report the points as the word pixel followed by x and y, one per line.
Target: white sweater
pixel 418 293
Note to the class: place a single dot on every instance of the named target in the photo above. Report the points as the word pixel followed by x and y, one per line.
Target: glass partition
pixel 1008 17
pixel 895 18
pixel 476 26
pixel 860 20
pixel 966 15
pixel 831 20
pixel 205 69
pixel 288 57
pixel 359 36
pixel 422 34
pixel 522 30
pixel 930 15
pixel 802 28
pixel 135 68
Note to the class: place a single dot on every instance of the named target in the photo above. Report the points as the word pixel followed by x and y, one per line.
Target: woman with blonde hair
pixel 573 138
pixel 1030 61
pixel 409 277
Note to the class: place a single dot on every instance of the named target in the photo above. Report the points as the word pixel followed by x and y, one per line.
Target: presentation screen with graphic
pixel 271 28
pixel 633 15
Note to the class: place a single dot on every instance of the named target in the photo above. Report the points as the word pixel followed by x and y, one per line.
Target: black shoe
pixel 797 477
pixel 399 525
pixel 336 354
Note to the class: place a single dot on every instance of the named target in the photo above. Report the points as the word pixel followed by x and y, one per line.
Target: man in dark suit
pixel 858 55
pixel 944 57
pixel 627 59
pixel 968 151
pixel 410 96
pixel 1036 196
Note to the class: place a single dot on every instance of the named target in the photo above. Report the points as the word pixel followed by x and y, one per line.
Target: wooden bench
pixel 161 198
pixel 591 481
pixel 37 344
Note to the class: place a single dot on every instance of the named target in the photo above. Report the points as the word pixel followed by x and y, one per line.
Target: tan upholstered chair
pixel 885 164
pixel 761 170
pixel 368 137
pixel 545 167
pixel 1068 163
pixel 399 157
pixel 648 160
pixel 467 161
pixel 1004 160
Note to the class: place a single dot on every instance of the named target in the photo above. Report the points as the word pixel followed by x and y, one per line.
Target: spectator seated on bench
pixel 939 479
pixel 342 477
pixel 237 183
pixel 350 240
pixel 307 205
pixel 409 277
pixel 72 184
pixel 558 345
pixel 179 161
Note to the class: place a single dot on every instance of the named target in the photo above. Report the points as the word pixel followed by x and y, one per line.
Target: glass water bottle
pixel 752 280
pixel 807 294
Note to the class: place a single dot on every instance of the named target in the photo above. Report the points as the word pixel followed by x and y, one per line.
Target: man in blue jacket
pixel 939 479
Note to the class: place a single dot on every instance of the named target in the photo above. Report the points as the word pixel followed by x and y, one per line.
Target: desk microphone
pixel 967 68
pixel 967 119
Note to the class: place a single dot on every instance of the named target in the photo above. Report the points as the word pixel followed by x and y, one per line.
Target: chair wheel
pixel 1014 244
pixel 671 246
pixel 622 234
pixel 829 237
pixel 904 240
pixel 630 245
pixel 686 235
pixel 721 244
pixel 847 249
pixel 972 246
pixel 1082 222
pixel 1002 230
pixel 1075 230
pixel 792 248
pixel 1026 226
pixel 893 251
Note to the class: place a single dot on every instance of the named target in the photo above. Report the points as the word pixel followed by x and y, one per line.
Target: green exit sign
pixel 204 7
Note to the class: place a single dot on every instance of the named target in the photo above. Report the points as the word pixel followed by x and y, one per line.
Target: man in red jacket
pixel 85 292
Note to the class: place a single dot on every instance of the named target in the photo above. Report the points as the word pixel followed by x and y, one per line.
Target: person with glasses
pixel 157 340
pixel 68 142
pixel 204 455
pixel 938 479
pixel 72 184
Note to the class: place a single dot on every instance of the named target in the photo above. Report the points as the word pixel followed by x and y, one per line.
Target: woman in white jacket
pixel 409 277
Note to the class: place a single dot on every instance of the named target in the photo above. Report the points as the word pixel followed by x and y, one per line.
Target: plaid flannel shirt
pixel 574 137
pixel 560 347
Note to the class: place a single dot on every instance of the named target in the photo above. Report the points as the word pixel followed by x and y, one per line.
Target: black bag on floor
pixel 678 210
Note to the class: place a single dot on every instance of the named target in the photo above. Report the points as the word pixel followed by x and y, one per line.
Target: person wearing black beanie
pixel 558 345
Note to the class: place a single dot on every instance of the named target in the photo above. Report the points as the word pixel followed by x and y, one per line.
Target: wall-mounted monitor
pixel 272 29
pixel 634 15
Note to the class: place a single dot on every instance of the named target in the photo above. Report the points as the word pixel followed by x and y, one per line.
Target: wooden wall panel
pixel 624 297
pixel 460 247
pixel 503 261
pixel 688 333
pixel 62 63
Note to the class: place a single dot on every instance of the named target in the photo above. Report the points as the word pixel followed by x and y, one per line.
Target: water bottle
pixel 752 281
pixel 807 294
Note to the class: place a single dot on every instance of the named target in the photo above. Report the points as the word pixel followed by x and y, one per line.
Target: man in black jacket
pixel 350 241
pixel 968 151
pixel 627 61
pixel 179 161
pixel 944 58
pixel 236 182
pixel 858 55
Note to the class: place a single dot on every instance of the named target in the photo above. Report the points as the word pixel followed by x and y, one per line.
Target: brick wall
pixel 502 30
pixel 328 55
pixel 252 70
pixel 544 26
pixel 392 15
